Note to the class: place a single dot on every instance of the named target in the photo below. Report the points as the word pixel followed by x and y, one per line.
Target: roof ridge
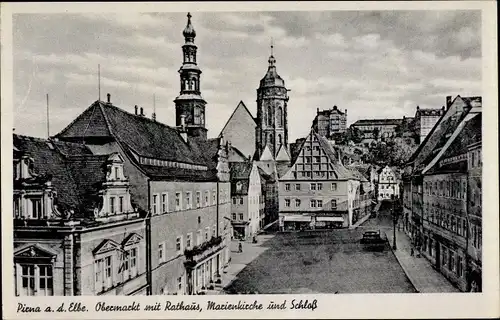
pixel 232 115
pixel 76 119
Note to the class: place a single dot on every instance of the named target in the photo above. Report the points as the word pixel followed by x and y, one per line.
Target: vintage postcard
pixel 249 160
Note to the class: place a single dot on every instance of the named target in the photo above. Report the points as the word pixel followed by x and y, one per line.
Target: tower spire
pixel 189 33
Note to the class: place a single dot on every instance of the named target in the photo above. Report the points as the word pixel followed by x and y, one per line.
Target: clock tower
pixel 189 105
pixel 272 122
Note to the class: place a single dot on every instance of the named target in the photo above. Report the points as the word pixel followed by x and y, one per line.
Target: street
pixel 319 262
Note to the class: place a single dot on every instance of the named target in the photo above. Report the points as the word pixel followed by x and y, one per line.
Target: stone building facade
pixel 330 123
pixel 440 212
pixel 317 191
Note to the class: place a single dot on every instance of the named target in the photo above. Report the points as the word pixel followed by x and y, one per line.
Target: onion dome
pixel 189 33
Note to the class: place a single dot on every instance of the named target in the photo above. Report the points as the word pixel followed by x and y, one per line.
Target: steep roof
pixel 139 135
pixel 241 106
pixel 75 176
pixel 240 176
pixel 240 170
pixel 446 122
pixel 465 133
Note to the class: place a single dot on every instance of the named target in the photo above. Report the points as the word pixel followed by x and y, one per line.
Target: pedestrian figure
pixel 411 252
pixel 240 248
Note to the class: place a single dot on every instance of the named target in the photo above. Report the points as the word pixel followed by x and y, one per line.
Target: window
pixel 120 204
pixel 189 203
pixel 287 187
pixel 161 252
pixel 207 233
pixel 198 199
pixel 444 256
pixel 287 203
pixel 199 238
pixel 178 201
pixel 178 244
pixel 164 202
pixel 297 186
pixel 241 216
pixel 234 216
pixel 334 187
pixel 472 160
pixel 111 205
pixel 317 159
pixel 297 202
pixel 214 231
pixel 179 285
pixel 155 204
pixel 189 237
pixel 132 260
pixel 28 280
pixel 313 203
pixel 313 186
pixel 241 200
pixel 320 203
pixel 319 186
pixel 460 267
pixel 334 203
pixel 308 159
pixel 234 200
pixel 452 264
pixel 214 197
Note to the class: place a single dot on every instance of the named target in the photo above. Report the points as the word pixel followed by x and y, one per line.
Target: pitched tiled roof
pixel 240 170
pixel 282 168
pixel 240 176
pixel 76 177
pixel 341 171
pixel 145 137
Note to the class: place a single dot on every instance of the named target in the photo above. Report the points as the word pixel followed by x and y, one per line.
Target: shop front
pixel 329 222
pixel 296 222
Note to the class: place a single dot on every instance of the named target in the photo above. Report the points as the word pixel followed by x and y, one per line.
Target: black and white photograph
pixel 264 152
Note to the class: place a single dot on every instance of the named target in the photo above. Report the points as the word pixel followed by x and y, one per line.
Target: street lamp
pixel 394 220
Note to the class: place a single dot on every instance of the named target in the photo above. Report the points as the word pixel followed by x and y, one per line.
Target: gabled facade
pixel 388 184
pixel 239 130
pixel 317 191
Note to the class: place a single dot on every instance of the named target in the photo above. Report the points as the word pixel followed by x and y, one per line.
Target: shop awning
pixel 332 219
pixel 297 218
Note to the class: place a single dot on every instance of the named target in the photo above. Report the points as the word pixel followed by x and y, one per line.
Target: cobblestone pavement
pixel 419 270
pixel 314 262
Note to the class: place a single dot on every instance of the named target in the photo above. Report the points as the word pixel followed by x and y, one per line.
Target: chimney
pixel 418 108
pixel 317 110
pixel 142 112
pixel 135 109
pixel 153 116
pixel 183 130
pixel 345 111
pixel 109 97
pixel 448 102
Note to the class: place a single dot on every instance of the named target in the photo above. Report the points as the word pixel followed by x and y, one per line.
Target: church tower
pixel 272 122
pixel 189 105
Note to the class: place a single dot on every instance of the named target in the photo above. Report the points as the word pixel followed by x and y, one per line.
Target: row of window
pixel 160 203
pixel 252 200
pixel 105 273
pixel 475 158
pixel 312 203
pixel 312 186
pixel 115 207
pixel 179 243
pixel 448 260
pixel 34 280
pixel 456 224
pixel 32 208
pixel 315 174
pixel 450 189
pixel 240 215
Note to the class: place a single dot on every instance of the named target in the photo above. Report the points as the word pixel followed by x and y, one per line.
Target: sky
pixel 375 64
